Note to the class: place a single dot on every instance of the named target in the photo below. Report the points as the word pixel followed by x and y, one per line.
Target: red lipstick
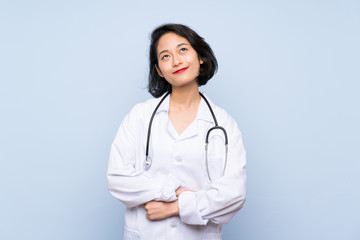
pixel 180 70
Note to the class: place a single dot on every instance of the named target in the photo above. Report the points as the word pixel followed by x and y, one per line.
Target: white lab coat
pixel 177 160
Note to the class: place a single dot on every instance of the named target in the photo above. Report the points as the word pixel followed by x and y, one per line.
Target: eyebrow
pixel 181 44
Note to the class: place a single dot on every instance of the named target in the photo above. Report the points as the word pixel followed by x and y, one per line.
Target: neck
pixel 185 97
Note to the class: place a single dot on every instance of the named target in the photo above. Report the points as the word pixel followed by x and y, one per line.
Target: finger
pixel 148 204
pixel 178 191
pixel 150 217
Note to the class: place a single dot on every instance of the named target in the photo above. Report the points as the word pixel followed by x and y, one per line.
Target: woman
pixel 179 190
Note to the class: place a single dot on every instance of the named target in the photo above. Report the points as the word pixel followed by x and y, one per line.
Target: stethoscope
pixel 148 161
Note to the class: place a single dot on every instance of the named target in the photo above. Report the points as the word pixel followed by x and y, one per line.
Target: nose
pixel 176 60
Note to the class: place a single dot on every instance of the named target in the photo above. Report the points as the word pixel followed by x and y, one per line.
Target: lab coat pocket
pixel 212 236
pixel 215 157
pixel 212 231
pixel 214 167
pixel 130 234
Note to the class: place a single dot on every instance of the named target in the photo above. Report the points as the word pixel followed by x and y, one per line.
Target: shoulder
pixel 137 119
pixel 142 111
pixel 220 113
pixel 223 117
pixel 144 107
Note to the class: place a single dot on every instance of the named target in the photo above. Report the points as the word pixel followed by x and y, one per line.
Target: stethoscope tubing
pixel 148 161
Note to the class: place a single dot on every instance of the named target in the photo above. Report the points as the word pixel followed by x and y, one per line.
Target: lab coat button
pixel 178 158
pixel 173 224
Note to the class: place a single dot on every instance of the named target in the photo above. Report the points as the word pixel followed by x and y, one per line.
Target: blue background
pixel 289 74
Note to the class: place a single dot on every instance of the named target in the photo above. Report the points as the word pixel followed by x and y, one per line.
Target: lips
pixel 180 70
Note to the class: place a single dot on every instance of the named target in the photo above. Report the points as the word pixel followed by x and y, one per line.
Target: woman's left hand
pixel 157 210
pixel 180 190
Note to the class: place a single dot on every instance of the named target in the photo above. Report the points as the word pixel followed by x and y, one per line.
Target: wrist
pixel 175 208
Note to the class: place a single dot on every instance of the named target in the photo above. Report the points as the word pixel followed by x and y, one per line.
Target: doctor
pixel 182 192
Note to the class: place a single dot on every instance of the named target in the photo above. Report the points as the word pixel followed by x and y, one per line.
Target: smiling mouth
pixel 180 70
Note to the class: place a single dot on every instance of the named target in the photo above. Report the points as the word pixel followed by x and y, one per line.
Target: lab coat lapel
pixel 192 130
pixel 203 114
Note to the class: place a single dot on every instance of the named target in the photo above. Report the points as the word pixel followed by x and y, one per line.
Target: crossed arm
pixel 218 203
pixel 157 210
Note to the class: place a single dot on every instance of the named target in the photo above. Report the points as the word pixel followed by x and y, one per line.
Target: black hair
pixel 158 85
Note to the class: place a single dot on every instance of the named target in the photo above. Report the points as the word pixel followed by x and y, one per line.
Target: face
pixel 178 62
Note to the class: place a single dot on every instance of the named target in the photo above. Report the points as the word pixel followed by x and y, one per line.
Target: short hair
pixel 157 85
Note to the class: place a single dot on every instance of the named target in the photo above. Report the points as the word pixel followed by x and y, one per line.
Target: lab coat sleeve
pixel 128 183
pixel 226 195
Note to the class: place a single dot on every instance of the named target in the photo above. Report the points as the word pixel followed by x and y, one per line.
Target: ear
pixel 201 61
pixel 158 70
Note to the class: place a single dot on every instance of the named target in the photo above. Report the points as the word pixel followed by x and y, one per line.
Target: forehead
pixel 169 41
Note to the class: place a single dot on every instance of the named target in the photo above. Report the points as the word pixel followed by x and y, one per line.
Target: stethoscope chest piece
pixel 147 163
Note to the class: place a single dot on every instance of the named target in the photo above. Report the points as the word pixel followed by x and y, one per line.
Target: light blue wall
pixel 288 73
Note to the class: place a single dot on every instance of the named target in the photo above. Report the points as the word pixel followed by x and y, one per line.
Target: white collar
pixel 203 111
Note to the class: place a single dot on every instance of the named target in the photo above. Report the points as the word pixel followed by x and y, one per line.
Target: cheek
pixel 163 66
pixel 194 59
pixel 197 66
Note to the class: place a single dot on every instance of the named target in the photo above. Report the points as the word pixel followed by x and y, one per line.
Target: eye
pixel 183 50
pixel 165 57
